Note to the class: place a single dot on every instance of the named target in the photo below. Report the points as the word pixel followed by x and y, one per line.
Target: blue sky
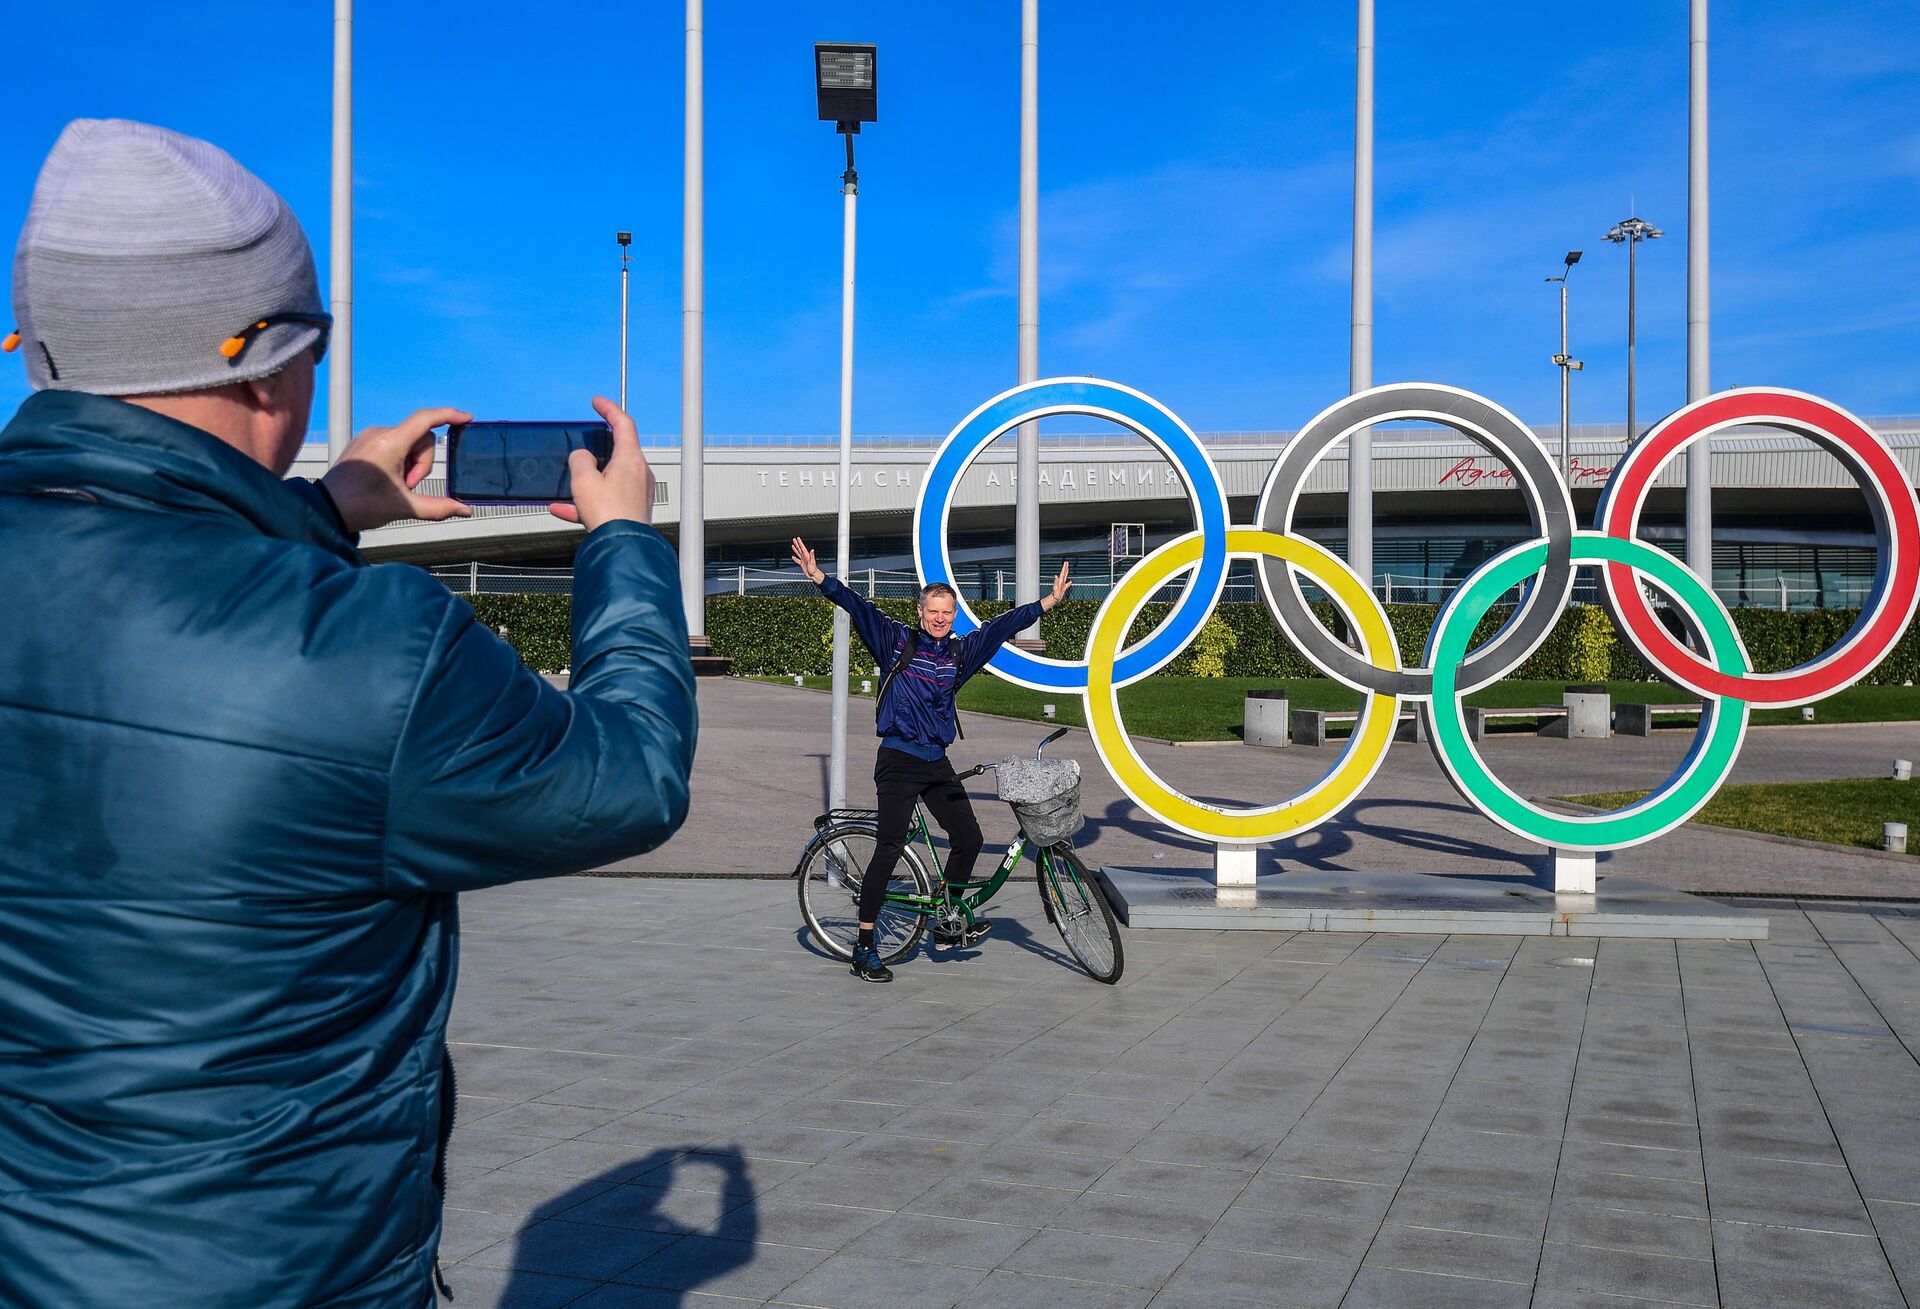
pixel 1195 196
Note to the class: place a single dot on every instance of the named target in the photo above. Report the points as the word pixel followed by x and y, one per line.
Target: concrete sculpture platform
pixel 1313 900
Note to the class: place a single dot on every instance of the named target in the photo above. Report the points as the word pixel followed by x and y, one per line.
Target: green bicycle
pixel 835 861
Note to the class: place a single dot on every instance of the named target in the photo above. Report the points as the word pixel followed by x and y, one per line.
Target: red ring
pixel 1893 604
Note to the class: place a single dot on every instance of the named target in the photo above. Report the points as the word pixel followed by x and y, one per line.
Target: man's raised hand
pixel 1060 586
pixel 803 560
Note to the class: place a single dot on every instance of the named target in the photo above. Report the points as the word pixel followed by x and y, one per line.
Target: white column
pixel 1026 500
pixel 1700 454
pixel 340 240
pixel 1360 444
pixel 693 317
pixel 837 756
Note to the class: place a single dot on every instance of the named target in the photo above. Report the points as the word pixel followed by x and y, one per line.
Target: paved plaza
pixel 667 1099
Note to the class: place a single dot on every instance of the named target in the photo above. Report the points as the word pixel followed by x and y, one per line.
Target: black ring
pixel 1494 430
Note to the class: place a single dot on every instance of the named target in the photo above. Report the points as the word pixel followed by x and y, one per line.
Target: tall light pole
pixel 1360 369
pixel 1026 494
pixel 693 318
pixel 625 239
pixel 340 239
pixel 1700 453
pixel 1568 365
pixel 844 77
pixel 1632 231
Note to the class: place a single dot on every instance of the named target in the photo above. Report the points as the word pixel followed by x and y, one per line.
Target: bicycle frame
pixel 973 894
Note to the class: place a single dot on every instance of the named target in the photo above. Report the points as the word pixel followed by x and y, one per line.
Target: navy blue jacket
pixel 917 714
pixel 242 775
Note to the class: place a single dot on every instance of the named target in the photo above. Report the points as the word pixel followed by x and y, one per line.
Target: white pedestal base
pixel 1573 872
pixel 1235 865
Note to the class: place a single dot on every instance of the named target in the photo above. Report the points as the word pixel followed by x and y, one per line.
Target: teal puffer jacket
pixel 242 777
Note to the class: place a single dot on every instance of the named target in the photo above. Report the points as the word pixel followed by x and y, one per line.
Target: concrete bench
pixel 1309 726
pixel 1637 719
pixel 1478 718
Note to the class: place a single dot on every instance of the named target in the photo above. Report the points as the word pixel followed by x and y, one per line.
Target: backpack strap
pixel 908 648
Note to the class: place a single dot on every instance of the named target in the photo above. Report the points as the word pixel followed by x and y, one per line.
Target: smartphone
pixel 520 463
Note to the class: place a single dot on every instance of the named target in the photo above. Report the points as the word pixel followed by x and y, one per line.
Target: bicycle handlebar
pixel 978 769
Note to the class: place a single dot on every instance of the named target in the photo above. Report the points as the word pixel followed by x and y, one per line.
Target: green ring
pixel 1716 741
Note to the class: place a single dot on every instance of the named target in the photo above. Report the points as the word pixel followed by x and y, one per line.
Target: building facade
pixel 1791 529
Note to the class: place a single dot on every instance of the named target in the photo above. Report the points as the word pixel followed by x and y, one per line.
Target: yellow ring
pixel 1365 751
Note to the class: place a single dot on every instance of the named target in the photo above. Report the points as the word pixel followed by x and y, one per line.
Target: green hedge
pixel 537 626
pixel 770 635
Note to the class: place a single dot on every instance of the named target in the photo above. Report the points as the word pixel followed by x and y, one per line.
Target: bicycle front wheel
pixel 830 878
pixel 1080 911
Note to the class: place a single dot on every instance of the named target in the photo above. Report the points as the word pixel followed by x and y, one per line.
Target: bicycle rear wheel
pixel 830 877
pixel 1079 909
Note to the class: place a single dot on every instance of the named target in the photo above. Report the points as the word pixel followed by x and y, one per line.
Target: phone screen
pixel 519 463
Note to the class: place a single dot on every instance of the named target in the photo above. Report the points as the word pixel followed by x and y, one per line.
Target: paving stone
pixel 1156 1218
pixel 846 1281
pixel 1080 1256
pixel 568 1249
pixel 1898 1226
pixel 1784 1193
pixel 1462 1254
pixel 858 1187
pixel 620 1295
pixel 1781 1268
pixel 476 1287
pixel 1397 1288
pixel 1305 1236
pixel 755 1269
pixel 1275 1280
pixel 1488 1212
pixel 1629 1272
pixel 1007 1290
pixel 1575 1223
pixel 966 1242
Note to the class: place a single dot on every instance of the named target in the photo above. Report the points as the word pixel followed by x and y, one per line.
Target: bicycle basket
pixel 1045 796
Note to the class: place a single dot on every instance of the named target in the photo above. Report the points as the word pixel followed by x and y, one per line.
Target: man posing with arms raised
pixel 243 774
pixel 916 721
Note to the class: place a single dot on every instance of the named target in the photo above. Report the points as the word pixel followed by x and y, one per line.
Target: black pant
pixel 900 778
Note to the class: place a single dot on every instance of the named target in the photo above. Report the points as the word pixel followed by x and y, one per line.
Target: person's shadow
pixel 618 1222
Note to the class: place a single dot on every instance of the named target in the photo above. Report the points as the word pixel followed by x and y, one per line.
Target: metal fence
pixel 998 583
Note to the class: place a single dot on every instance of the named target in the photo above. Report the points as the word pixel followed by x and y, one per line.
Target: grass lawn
pixel 1847 812
pixel 1209 708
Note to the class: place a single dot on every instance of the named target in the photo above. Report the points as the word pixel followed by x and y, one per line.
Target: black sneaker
pixel 867 966
pixel 971 934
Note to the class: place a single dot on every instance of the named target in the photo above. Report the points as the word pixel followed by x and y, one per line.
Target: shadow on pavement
pixel 647 1206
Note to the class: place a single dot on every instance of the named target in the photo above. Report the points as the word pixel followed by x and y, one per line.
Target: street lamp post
pixel 1568 365
pixel 340 239
pixel 625 239
pixel 1632 231
pixel 844 78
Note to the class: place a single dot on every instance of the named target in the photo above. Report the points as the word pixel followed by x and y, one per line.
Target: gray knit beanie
pixel 152 262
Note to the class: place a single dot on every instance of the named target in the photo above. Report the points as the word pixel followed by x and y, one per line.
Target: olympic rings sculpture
pixel 1545 566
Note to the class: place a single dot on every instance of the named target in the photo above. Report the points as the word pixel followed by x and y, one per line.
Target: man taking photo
pixel 916 721
pixel 243 775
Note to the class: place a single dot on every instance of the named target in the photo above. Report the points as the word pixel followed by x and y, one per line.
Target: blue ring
pixel 1139 414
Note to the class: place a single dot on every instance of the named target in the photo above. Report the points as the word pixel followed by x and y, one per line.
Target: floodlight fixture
pixel 624 238
pixel 844 79
pixel 1634 229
